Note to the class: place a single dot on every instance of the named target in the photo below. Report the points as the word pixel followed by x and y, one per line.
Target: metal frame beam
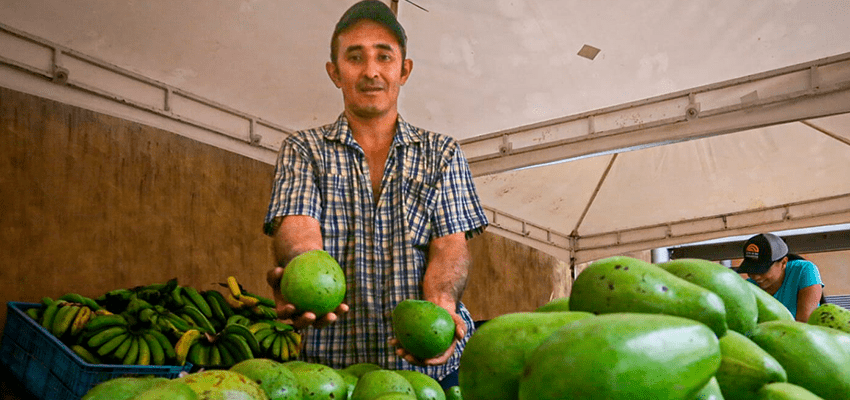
pixel 810 90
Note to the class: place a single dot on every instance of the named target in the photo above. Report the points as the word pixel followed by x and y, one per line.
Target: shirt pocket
pixel 420 200
pixel 337 209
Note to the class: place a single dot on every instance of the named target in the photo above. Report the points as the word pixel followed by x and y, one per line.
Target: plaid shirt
pixel 427 192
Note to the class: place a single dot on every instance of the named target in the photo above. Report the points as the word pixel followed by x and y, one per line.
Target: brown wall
pixel 91 203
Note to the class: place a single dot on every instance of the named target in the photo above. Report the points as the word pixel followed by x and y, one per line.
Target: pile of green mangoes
pixel 169 324
pixel 687 329
pixel 265 379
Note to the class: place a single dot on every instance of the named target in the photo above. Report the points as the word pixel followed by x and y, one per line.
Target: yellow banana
pixel 233 302
pixel 293 341
pixel 249 301
pixel 283 354
pixel 181 349
pixel 102 311
pixel 233 285
pixel 80 320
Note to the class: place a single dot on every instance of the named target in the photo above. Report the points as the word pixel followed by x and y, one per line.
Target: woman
pixel 791 279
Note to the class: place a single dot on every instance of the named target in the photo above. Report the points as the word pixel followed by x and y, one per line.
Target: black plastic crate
pixel 50 370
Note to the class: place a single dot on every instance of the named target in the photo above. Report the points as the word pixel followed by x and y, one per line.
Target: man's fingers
pixel 273 277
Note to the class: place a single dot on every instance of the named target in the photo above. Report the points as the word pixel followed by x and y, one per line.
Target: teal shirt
pixel 799 274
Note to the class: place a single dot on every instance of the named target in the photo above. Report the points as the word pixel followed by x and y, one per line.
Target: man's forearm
pixel 297 234
pixel 448 270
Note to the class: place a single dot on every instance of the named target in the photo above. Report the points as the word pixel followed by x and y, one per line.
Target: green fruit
pixel 423 328
pixel 770 309
pixel 785 391
pixel 745 367
pixel 395 396
pixel 625 284
pixel 424 386
pixel 711 391
pixel 313 281
pixel 274 378
pixel 377 383
pixel 168 390
pixel 350 380
pixel 122 388
pixel 319 381
pixel 831 316
pixel 222 384
pixel 559 304
pixel 361 368
pixel 739 300
pixel 815 357
pixel 622 356
pixel 454 393
pixel 493 360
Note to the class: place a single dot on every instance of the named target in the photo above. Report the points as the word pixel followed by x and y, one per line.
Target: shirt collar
pixel 405 133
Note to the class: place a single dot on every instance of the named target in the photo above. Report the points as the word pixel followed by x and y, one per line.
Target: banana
pixel 176 296
pixel 261 336
pixel 144 357
pixel 214 358
pixel 147 314
pixel 34 313
pixel 233 302
pixel 227 359
pixel 99 322
pixel 266 343
pixel 132 353
pixel 280 326
pixel 112 344
pixel 198 300
pixel 199 318
pixel 239 347
pixel 215 295
pixel 245 333
pixel 217 312
pixel 181 349
pixel 105 335
pixel 280 350
pixel 259 326
pixel 165 344
pixel 293 341
pixel 239 319
pixel 233 285
pixel 122 350
pixel 46 301
pixel 72 298
pixel 102 311
pixel 81 320
pixel 249 301
pixel 263 311
pixel 263 300
pixel 49 314
pixel 64 318
pixel 85 354
pixel 177 323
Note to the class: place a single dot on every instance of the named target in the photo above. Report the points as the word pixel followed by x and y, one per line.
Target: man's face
pixel 369 69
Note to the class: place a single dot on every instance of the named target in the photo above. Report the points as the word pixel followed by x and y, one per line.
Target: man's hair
pixel 374 10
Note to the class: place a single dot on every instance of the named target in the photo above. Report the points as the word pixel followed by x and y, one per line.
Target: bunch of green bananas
pixel 277 341
pixel 111 339
pixel 234 343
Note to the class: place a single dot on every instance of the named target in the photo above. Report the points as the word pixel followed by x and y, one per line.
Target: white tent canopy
pixel 696 120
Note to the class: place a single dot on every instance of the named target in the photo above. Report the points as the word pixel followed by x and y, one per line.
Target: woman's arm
pixel 808 298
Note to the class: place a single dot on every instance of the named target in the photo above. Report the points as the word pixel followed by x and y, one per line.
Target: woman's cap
pixel 761 251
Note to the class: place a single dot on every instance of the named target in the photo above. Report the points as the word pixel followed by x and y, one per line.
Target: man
pixel 792 280
pixel 392 203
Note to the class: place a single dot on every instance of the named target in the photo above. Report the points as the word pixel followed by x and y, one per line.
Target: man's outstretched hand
pixel 440 359
pixel 287 312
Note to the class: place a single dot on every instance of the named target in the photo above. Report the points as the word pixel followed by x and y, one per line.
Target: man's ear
pixel 333 73
pixel 406 69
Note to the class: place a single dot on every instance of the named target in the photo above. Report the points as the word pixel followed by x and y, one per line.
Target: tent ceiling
pixel 484 69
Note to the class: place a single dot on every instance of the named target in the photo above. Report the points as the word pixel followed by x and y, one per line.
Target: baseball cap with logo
pixel 761 251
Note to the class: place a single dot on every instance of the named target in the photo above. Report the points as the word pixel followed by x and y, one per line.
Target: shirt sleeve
pixel 809 274
pixel 294 190
pixel 458 206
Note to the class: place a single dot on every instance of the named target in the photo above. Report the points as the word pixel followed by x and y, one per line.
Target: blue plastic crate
pixel 50 370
